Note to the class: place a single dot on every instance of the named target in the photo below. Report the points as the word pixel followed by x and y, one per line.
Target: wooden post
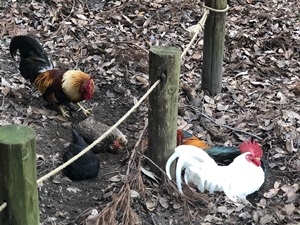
pixel 18 186
pixel 164 64
pixel 213 49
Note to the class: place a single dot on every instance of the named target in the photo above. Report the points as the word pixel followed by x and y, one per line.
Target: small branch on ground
pixel 222 125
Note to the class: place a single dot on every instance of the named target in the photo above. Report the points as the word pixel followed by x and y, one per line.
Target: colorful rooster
pixel 56 86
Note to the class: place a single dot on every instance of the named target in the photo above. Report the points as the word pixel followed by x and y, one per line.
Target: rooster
pixel 186 138
pixel 221 154
pixel 87 166
pixel 237 180
pixel 55 85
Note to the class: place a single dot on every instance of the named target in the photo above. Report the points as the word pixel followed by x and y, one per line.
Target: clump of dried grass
pixel 120 203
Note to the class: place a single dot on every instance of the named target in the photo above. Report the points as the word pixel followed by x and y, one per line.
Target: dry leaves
pixel 110 39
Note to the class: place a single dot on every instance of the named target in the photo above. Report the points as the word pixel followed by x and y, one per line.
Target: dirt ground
pixel 111 39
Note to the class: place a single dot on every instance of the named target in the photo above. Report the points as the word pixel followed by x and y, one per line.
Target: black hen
pixel 87 166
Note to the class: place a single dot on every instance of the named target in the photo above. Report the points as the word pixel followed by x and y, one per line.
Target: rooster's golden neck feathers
pixel 77 85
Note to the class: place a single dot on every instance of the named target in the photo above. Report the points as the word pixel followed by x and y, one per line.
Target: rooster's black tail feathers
pixel 223 154
pixel 33 58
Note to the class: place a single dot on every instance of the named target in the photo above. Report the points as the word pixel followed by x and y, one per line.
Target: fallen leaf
pixel 291 192
pixel 290 145
pixel 267 219
pixel 209 100
pixel 73 189
pixel 149 174
pixel 151 205
pixel 196 55
pixel 116 178
pixel 134 194
pixel 271 193
pixel 222 209
pixel 5 90
pixel 163 202
pixel 289 209
pixel 262 203
pixel 177 205
pixel 142 80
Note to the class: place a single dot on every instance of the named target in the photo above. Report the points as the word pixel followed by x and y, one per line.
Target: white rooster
pixel 239 179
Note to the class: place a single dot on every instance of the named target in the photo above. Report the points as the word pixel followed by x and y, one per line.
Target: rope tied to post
pixel 195 29
pixel 216 10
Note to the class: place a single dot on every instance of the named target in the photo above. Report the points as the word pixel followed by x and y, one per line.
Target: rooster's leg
pixel 63 112
pixel 85 111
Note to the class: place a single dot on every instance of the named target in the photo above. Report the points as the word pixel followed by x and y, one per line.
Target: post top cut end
pixel 16 134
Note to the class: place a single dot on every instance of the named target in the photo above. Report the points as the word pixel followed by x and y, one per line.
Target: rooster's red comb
pixel 251 146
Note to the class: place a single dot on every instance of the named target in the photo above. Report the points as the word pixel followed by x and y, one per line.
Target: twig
pixel 136 45
pixel 155 165
pixel 71 11
pixel 2 102
pixel 154 222
pixel 111 173
pixel 290 160
pixel 222 125
pixel 135 147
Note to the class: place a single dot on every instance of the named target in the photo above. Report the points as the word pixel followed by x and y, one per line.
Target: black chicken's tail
pixel 33 58
pixel 222 154
pixel 77 139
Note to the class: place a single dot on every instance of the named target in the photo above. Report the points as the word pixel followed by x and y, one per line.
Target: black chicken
pixel 87 166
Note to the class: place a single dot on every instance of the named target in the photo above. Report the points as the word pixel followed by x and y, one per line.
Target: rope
pixel 4 204
pixel 61 167
pixel 216 10
pixel 195 29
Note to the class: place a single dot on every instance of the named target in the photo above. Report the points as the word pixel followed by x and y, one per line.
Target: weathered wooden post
pixel 213 49
pixel 18 186
pixel 164 64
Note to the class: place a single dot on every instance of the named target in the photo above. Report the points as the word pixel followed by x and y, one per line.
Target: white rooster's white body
pixel 237 180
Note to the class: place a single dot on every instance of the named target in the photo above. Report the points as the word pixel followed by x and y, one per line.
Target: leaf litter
pixel 111 39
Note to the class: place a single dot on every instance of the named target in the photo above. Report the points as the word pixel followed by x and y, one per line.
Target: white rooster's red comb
pixel 251 146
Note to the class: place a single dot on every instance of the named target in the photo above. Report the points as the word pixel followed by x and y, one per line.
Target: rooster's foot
pixel 86 112
pixel 64 112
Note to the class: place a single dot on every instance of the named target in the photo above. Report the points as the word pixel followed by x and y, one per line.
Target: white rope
pixel 217 10
pixel 195 29
pixel 2 207
pixel 61 167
